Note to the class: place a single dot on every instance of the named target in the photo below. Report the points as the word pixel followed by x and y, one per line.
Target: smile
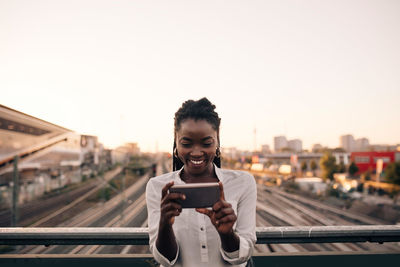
pixel 197 162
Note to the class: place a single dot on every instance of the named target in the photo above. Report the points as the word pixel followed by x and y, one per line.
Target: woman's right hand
pixel 169 207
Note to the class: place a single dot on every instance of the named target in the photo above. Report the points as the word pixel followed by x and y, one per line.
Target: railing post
pixel 15 194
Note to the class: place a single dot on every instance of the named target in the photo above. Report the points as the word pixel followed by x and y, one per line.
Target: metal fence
pixel 265 235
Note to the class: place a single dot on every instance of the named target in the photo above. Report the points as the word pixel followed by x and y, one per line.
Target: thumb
pixel 204 211
pixel 221 191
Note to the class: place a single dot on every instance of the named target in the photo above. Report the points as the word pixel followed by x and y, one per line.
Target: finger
pixel 221 191
pixel 220 205
pixel 205 211
pixel 228 219
pixel 224 212
pixel 165 189
pixel 171 206
pixel 172 213
pixel 173 197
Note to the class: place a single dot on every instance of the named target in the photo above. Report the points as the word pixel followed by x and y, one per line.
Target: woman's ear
pixel 218 152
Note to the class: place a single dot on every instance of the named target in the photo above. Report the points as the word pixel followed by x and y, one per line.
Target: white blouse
pixel 197 239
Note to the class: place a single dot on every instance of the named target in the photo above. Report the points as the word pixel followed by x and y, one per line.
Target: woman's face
pixel 197 143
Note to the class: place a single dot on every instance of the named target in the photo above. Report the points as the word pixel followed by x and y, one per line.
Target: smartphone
pixel 198 195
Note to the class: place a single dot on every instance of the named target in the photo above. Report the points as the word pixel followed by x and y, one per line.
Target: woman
pixel 223 235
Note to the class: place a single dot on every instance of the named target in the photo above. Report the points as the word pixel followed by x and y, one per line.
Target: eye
pixel 207 144
pixel 186 144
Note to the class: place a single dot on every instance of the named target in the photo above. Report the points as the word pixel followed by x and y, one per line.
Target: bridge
pixel 330 236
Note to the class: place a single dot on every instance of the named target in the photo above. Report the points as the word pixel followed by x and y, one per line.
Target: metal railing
pixel 139 236
pixel 265 235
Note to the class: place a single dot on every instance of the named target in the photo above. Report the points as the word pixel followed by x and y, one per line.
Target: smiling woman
pixel 224 233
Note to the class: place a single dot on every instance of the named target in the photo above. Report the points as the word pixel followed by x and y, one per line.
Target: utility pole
pixel 15 193
pixel 255 139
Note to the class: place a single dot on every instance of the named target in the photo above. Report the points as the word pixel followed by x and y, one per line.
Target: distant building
pixel 296 145
pixel 265 149
pixel 133 148
pixel 230 152
pixel 341 157
pixel 367 160
pixel 316 148
pixel 347 142
pixel 279 143
pixel 89 150
pixel 287 158
pixel 362 144
pixel 122 154
pixel 383 148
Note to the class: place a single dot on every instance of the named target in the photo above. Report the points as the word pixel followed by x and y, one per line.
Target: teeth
pixel 196 162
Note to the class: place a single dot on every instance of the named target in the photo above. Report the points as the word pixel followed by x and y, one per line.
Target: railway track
pixel 47 210
pixel 278 208
pixel 274 208
pixel 115 212
pixel 127 209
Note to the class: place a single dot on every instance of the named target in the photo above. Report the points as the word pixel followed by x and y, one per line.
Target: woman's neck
pixel 207 177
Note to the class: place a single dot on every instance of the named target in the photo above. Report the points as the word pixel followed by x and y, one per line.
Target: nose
pixel 196 152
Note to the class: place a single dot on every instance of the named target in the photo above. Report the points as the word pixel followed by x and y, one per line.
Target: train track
pixel 278 208
pixel 49 209
pixel 119 211
pixel 274 208
pixel 127 209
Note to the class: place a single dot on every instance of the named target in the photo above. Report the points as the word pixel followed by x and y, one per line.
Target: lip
pixel 196 163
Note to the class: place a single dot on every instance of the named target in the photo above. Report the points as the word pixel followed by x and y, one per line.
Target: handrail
pixel 139 236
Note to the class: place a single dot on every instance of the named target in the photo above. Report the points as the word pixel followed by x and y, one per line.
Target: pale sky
pixel 312 70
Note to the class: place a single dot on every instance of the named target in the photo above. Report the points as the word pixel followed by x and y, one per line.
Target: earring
pixel 175 153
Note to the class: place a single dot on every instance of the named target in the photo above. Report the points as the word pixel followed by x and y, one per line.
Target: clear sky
pixel 312 70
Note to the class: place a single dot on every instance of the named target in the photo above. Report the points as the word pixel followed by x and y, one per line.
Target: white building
pixel 362 144
pixel 265 149
pixel 230 152
pixel 279 143
pixel 347 142
pixel 316 148
pixel 296 145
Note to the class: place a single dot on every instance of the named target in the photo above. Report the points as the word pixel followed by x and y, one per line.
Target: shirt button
pixel 202 229
pixel 203 246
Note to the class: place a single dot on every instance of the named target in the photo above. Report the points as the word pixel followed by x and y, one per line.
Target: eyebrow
pixel 203 139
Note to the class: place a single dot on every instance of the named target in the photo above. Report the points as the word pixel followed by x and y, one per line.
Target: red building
pixel 367 160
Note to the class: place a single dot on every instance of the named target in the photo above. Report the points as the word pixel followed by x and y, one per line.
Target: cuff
pixel 239 256
pixel 160 258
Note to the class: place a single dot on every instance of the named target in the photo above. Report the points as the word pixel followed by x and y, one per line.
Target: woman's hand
pixel 169 208
pixel 222 215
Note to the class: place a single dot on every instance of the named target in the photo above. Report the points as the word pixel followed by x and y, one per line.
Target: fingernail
pixel 183 197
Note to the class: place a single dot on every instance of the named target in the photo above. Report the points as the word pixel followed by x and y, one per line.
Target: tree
pixel 341 167
pixel 313 165
pixel 353 168
pixel 392 172
pixel 304 166
pixel 328 165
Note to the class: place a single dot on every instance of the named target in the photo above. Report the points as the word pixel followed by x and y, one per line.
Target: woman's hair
pixel 201 109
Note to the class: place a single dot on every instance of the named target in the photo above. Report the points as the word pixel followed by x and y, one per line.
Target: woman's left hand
pixel 222 215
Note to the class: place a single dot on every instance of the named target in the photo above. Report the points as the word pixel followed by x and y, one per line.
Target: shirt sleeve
pixel 153 199
pixel 245 225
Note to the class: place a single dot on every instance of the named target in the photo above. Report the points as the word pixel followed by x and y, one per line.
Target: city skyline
pixel 312 71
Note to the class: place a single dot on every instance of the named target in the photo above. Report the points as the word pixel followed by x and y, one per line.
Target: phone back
pixel 198 197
